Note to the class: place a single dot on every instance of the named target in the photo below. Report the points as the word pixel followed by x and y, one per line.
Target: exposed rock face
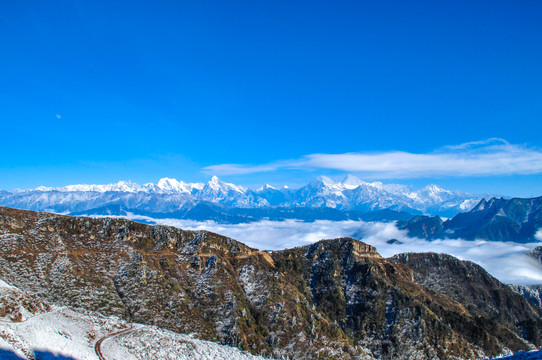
pixel 482 295
pixel 532 293
pixel 423 227
pixel 334 299
pixel 496 220
pixel 17 305
pixel 536 254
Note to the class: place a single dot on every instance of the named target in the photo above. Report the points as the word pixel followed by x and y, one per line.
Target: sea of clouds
pixel 504 260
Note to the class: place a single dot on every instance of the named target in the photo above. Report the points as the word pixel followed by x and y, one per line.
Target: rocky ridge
pixel 46 331
pixel 497 219
pixel 533 293
pixel 232 203
pixel 336 299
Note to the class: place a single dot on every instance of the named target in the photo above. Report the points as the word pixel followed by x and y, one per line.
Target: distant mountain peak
pixel 218 186
pixel 481 205
pixel 166 180
pixel 168 183
pixel 498 219
pixel 433 188
pixel 215 183
pixel 169 195
pixel 352 182
pixel 267 187
pixel 322 180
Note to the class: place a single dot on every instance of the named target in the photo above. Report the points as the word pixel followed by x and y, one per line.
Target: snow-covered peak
pixel 123 186
pixel 173 185
pixel 266 187
pixel 167 183
pixel 126 186
pixel 352 182
pixel 433 189
pixel 377 184
pixel 434 193
pixel 217 185
pixel 39 188
pixel 322 181
pixel 350 193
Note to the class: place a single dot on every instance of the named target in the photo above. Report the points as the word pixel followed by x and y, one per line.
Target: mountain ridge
pixel 170 196
pixel 336 299
pixel 496 219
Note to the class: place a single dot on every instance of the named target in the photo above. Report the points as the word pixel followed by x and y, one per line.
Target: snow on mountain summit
pixel 266 187
pixel 218 185
pixel 322 181
pixel 170 194
pixel 433 189
pixel 435 193
pixel 171 184
pixel 175 186
pixel 215 183
pixel 352 182
pixel 121 186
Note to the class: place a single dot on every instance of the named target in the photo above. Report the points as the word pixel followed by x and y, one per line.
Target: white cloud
pixel 538 235
pixel 481 158
pixel 504 260
pixel 234 169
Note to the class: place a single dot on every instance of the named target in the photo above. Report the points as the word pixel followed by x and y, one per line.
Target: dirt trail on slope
pixel 98 346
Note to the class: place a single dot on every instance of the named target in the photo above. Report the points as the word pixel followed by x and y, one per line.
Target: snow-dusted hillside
pixel 31 329
pixel 170 196
pixel 324 299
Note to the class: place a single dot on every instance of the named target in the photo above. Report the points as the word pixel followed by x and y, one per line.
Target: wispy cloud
pixel 480 158
pixel 237 169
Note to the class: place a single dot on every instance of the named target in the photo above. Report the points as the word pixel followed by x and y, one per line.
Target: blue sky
pixel 96 92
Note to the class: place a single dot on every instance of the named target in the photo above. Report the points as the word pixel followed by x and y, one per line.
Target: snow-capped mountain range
pixel 173 197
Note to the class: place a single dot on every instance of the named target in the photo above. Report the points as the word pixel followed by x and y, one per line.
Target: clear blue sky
pixel 100 91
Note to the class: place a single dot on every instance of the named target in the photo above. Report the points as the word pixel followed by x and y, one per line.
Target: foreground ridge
pixel 46 331
pixel 336 299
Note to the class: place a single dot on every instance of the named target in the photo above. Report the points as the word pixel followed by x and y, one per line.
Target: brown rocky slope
pixel 334 299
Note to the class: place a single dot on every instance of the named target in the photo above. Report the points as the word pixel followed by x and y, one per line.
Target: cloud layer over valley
pixel 504 260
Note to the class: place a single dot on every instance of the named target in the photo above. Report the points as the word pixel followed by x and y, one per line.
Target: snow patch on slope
pixel 67 333
pixel 149 342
